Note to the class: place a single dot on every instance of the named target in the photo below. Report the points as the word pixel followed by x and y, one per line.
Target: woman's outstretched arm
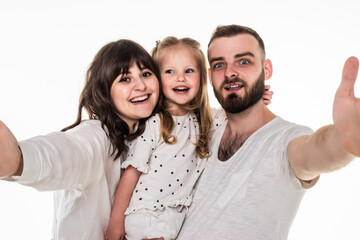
pixel 11 162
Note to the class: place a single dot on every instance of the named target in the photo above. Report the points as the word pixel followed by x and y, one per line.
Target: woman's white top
pixel 78 166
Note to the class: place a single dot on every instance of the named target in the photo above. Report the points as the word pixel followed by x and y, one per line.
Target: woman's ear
pixel 268 69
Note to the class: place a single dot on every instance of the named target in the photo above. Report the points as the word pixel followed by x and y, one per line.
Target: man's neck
pixel 241 126
pixel 250 120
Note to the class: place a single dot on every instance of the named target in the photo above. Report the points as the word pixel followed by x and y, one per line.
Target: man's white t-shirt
pixel 252 195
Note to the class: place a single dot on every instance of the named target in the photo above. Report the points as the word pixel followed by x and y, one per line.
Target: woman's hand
pixel 11 162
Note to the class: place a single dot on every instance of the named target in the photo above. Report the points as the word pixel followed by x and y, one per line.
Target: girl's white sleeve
pixel 219 117
pixel 142 148
pixel 66 160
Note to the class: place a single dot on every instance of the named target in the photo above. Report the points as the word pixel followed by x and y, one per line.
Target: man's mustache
pixel 232 81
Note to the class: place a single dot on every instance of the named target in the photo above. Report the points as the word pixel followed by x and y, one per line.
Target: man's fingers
pixel 349 74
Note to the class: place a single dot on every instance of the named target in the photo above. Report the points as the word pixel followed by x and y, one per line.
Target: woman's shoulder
pixel 90 126
pixel 88 123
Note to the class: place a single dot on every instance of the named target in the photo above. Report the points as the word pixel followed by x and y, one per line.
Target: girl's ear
pixel 268 69
pixel 209 75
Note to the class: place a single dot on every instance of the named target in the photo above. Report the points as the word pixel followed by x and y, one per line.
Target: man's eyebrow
pixel 236 56
pixel 216 59
pixel 244 54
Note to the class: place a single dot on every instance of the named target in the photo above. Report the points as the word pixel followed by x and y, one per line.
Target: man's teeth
pixel 139 99
pixel 234 86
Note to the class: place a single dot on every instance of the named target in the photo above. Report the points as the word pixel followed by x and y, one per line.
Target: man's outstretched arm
pixel 333 146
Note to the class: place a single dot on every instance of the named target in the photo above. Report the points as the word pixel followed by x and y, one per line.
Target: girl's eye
pixel 218 65
pixel 169 71
pixel 146 74
pixel 189 70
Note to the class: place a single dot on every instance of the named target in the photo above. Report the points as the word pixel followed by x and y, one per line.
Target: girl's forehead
pixel 178 47
pixel 177 51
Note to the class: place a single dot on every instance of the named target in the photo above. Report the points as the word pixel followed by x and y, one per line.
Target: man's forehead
pixel 230 46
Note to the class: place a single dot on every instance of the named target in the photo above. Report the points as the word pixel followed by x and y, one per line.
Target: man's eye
pixel 244 62
pixel 169 71
pixel 218 65
pixel 146 74
pixel 189 70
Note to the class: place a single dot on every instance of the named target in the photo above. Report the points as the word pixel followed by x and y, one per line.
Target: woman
pixel 82 163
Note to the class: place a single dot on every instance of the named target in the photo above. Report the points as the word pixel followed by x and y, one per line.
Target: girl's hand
pixel 115 230
pixel 267 95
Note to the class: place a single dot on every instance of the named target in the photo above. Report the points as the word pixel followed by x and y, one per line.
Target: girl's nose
pixel 181 78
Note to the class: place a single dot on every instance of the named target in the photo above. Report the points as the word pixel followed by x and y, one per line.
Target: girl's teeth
pixel 181 88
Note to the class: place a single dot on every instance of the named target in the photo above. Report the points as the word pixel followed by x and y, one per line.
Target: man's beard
pixel 236 104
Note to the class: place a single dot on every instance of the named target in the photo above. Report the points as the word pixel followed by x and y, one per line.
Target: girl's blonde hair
pixel 199 105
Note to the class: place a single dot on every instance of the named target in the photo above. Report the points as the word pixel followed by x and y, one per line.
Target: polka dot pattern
pixel 169 170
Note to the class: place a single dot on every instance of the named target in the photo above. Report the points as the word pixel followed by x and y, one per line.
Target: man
pixel 261 164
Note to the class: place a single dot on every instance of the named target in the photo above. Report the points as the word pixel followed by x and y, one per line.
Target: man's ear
pixel 268 69
pixel 209 76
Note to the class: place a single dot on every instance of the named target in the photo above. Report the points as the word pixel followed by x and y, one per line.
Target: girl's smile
pixel 180 78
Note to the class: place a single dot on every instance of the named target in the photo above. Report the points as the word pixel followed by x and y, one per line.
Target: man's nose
pixel 230 72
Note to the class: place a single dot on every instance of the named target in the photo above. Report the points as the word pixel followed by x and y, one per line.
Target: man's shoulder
pixel 281 124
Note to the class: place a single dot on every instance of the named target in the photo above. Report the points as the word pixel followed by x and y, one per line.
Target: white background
pixel 46 47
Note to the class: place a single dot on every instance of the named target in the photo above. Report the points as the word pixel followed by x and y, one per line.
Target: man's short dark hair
pixel 233 30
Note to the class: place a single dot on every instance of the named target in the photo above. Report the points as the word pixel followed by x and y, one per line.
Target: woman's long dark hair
pixel 113 59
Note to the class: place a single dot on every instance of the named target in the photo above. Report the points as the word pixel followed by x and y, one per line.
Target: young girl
pixel 83 164
pixel 165 162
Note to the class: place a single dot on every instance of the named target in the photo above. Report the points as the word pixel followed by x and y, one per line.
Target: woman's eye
pixel 189 70
pixel 124 79
pixel 218 65
pixel 146 74
pixel 169 71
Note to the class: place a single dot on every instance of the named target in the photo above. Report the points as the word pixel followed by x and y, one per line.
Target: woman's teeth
pixel 139 99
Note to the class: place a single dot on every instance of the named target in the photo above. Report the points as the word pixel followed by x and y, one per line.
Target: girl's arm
pixel 127 184
pixel 267 96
